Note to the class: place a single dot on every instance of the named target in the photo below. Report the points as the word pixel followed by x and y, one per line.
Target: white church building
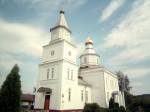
pixel 63 85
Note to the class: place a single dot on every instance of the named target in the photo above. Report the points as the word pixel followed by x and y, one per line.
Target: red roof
pixel 27 97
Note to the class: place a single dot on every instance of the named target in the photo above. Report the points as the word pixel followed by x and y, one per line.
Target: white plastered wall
pixel 95 78
pixel 111 85
pixel 60 33
pixel 58 53
pixel 49 83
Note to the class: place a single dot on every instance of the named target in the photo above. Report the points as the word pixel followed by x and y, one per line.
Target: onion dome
pixel 89 41
pixel 89 57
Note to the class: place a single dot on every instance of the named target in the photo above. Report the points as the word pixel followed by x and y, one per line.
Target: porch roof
pixel 44 89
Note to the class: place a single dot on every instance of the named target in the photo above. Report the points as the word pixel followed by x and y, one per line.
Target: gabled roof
pixel 44 89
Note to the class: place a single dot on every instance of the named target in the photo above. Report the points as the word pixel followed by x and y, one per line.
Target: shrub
pixel 94 107
pixel 122 109
pixel 116 105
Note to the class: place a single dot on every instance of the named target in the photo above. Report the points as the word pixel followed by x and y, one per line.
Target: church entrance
pixel 47 92
pixel 47 102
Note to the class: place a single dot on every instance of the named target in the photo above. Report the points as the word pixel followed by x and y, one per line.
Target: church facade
pixel 63 85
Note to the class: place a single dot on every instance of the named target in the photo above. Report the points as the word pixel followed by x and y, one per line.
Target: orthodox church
pixel 63 85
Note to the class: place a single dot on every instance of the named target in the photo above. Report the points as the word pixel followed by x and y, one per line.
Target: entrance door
pixel 47 102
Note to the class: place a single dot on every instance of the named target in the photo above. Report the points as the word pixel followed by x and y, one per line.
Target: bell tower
pixel 61 30
pixel 58 72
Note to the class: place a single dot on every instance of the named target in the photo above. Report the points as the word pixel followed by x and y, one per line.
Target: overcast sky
pixel 120 30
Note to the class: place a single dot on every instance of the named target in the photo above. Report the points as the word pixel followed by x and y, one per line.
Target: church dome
pixel 89 41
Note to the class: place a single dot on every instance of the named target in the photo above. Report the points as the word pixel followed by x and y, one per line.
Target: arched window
pixel 68 74
pixel 107 82
pixel 52 53
pixel 48 73
pixel 52 74
pixel 81 95
pixel 69 94
pixel 69 53
pixel 86 96
pixel 108 96
pixel 85 60
pixel 71 74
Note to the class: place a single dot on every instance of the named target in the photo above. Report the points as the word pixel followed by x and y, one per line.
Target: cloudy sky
pixel 120 30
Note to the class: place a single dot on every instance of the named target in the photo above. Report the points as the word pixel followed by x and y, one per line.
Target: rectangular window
pixel 52 74
pixel 69 94
pixel 48 73
pixel 82 95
